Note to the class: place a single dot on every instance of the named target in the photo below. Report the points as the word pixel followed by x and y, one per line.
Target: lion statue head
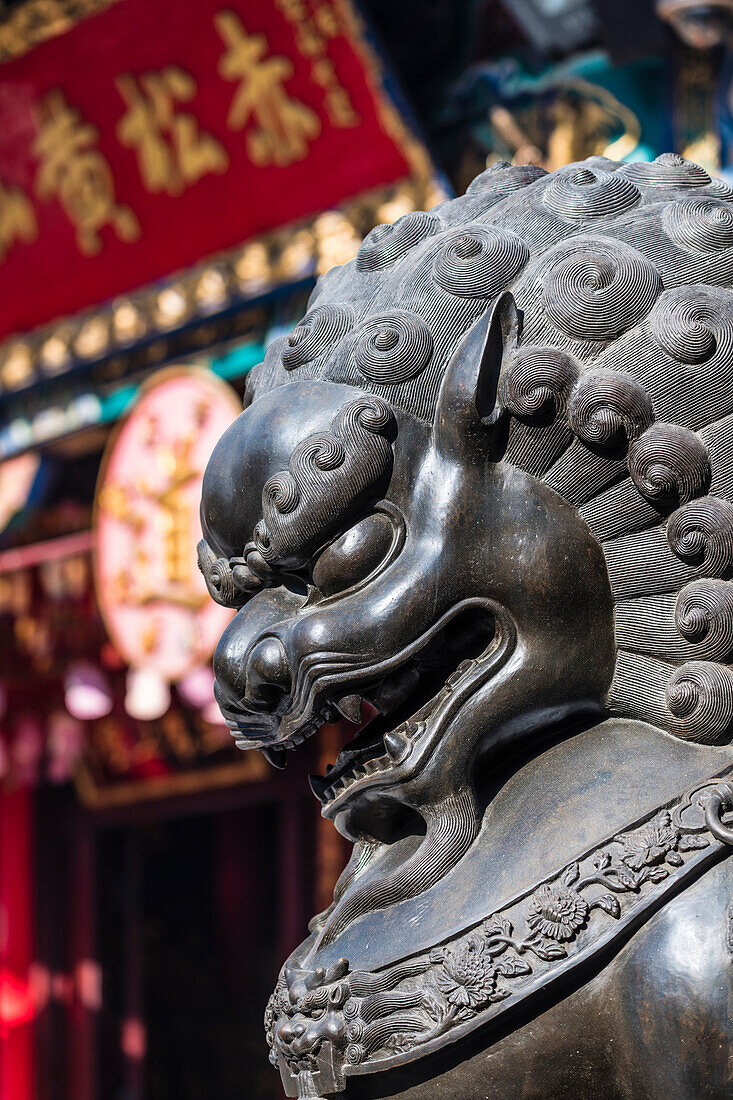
pixel 485 484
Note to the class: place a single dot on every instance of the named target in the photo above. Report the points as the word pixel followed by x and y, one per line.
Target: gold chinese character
pixel 17 218
pixel 312 33
pixel 327 21
pixel 308 38
pixel 293 10
pixel 117 500
pixel 73 170
pixel 171 150
pixel 285 126
pixel 338 104
pixel 129 503
pixel 150 637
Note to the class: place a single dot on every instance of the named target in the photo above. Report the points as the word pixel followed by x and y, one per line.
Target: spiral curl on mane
pixel 393 347
pixel 684 328
pixel 700 224
pixel 262 540
pixel 368 412
pixel 608 409
pixel 479 260
pixel 581 192
pixel 667 170
pixel 537 383
pixel 719 189
pixel 704 617
pixel 505 178
pixel 387 243
pixel 699 696
pixel 218 575
pixel 321 327
pixel 321 450
pixel 669 465
pixel 701 534
pixel 282 492
pixel 596 290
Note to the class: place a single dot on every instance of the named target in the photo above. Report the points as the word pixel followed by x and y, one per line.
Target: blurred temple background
pixel 173 178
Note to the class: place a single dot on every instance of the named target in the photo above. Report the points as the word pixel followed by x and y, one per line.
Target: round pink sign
pixel 153 599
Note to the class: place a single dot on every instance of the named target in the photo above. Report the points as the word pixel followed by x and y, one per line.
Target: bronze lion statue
pixel 486 484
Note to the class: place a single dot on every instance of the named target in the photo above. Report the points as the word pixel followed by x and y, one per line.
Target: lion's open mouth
pixel 404 701
pixel 412 695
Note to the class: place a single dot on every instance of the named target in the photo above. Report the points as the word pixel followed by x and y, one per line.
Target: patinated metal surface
pixel 487 485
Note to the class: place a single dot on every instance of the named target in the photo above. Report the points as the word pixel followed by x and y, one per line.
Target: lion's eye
pixel 353 556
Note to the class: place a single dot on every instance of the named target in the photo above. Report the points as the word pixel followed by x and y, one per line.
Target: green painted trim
pixel 239 361
pixel 235 364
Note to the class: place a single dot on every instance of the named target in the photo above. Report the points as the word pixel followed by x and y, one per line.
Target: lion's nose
pixel 268 671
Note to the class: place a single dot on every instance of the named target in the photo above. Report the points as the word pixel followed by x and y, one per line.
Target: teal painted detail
pixel 235 364
pixel 116 403
pixel 239 361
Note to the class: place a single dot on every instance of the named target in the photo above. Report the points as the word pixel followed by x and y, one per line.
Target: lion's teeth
pixel 396 744
pixel 276 756
pixel 318 785
pixel 350 707
pixel 462 669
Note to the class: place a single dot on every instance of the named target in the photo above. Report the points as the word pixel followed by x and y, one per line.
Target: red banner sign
pixel 150 135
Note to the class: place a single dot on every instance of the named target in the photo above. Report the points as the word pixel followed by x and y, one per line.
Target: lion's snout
pixel 257 678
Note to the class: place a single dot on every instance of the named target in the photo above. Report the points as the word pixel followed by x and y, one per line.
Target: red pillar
pixel 17 1007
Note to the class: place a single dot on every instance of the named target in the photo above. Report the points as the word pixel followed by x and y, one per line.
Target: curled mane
pixel 619 393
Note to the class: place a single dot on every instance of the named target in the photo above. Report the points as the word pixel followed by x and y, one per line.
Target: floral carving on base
pixel 505 956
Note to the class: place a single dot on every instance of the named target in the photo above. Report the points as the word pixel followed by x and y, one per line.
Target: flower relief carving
pixel 370 1017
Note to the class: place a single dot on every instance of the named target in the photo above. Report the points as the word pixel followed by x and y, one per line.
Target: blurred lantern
pixel 62 988
pixel 133 1040
pixel 39 983
pixel 86 693
pixel 88 975
pixel 211 714
pixel 159 614
pixel 148 694
pixel 26 750
pixel 64 745
pixel 197 687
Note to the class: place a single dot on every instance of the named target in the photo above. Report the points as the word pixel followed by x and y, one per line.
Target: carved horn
pixel 468 407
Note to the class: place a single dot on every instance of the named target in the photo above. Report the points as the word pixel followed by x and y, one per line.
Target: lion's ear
pixel 467 407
